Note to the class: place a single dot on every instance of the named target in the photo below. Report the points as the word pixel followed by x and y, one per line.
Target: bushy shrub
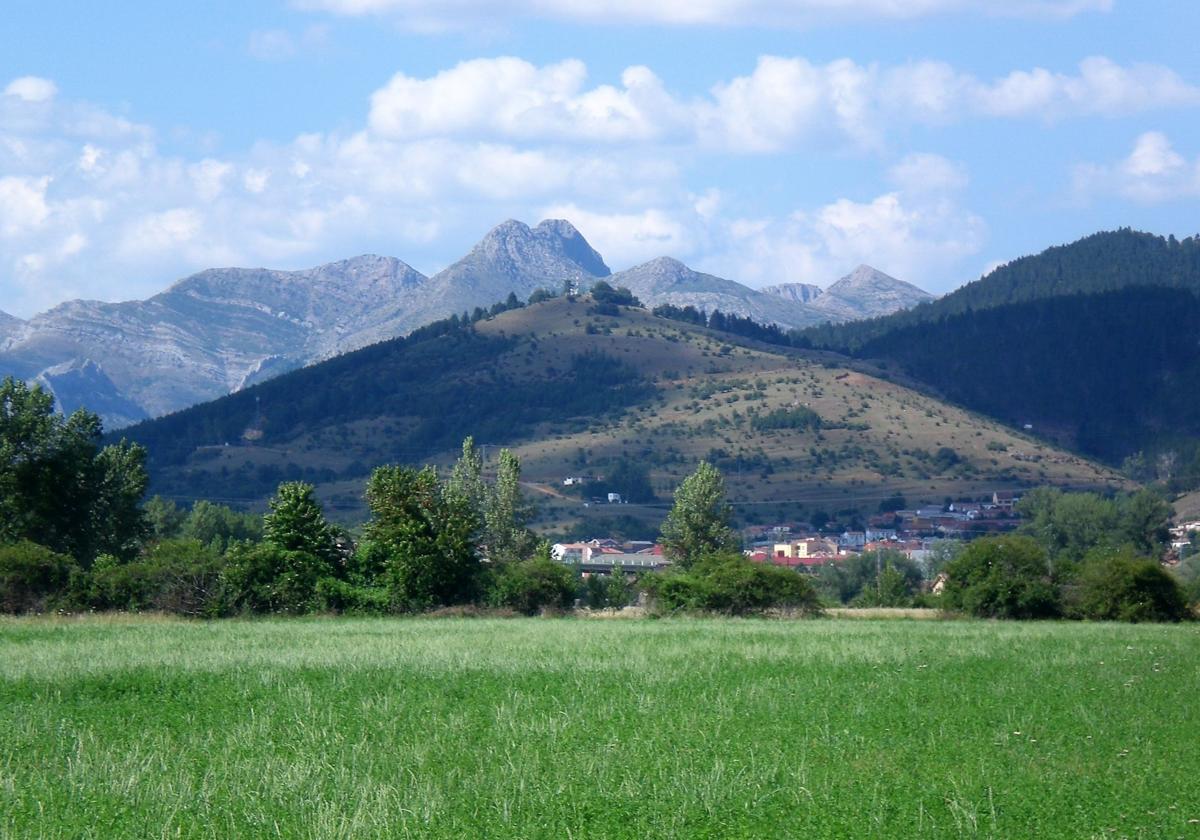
pixel 355 599
pixel 531 586
pixel 1119 586
pixel 859 579
pixel 181 576
pixel 607 591
pixel 889 589
pixel 267 578
pixel 1002 577
pixel 729 583
pixel 32 577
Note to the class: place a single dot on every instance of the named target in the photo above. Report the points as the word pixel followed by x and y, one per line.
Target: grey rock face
pixel 868 293
pixel 81 383
pixel 665 280
pixel 210 332
pixel 225 329
pixel 9 324
pixel 798 292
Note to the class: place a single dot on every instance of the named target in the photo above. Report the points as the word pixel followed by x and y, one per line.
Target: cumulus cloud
pixel 512 98
pixel 22 204
pixel 1153 173
pixel 787 13
pixel 919 238
pixel 31 89
pixel 92 207
pixel 628 238
pixel 921 173
pixel 784 102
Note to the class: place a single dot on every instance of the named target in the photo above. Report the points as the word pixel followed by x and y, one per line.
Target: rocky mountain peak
pixel 665 268
pixel 513 247
pixel 867 292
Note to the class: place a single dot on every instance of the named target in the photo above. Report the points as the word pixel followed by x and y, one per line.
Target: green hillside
pixel 579 393
pixel 1089 343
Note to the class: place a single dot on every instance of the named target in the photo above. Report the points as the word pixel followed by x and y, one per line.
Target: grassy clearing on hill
pixel 139 727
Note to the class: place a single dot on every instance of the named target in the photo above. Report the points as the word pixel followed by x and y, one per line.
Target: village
pixel 913 533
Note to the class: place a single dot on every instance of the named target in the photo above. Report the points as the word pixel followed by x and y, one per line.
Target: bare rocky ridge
pixel 214 331
pixel 665 280
pixel 798 292
pixel 512 259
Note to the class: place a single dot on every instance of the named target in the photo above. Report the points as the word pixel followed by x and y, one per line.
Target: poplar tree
pixel 506 515
pixel 699 523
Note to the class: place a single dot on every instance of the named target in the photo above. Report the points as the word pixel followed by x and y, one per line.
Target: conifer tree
pixel 296 523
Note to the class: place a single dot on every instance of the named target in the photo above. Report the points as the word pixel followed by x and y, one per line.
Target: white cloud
pixel 628 238
pixel 1102 87
pixel 786 100
pixel 916 239
pixel 31 89
pixel 142 218
pixel 783 103
pixel 921 173
pixel 90 205
pixel 924 235
pixel 22 204
pixel 419 14
pixel 511 98
pixel 164 231
pixel 1153 173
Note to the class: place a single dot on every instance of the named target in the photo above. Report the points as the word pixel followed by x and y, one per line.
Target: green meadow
pixel 575 728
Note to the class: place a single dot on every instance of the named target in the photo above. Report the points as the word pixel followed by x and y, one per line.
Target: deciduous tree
pixel 428 536
pixel 58 488
pixel 700 520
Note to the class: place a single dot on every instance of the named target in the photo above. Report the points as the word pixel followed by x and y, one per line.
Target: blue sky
pixel 761 140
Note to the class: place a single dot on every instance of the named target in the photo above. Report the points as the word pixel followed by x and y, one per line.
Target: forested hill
pixel 598 388
pixel 1108 374
pixel 1103 262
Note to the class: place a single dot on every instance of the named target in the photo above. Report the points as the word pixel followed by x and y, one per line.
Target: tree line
pixel 75 535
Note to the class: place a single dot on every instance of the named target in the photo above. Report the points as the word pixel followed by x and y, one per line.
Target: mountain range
pixel 223 329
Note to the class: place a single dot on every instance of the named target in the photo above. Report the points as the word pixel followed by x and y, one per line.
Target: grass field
pixel 143 727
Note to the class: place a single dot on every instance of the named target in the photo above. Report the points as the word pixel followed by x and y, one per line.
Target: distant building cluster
pixel 603 556
pixel 913 533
